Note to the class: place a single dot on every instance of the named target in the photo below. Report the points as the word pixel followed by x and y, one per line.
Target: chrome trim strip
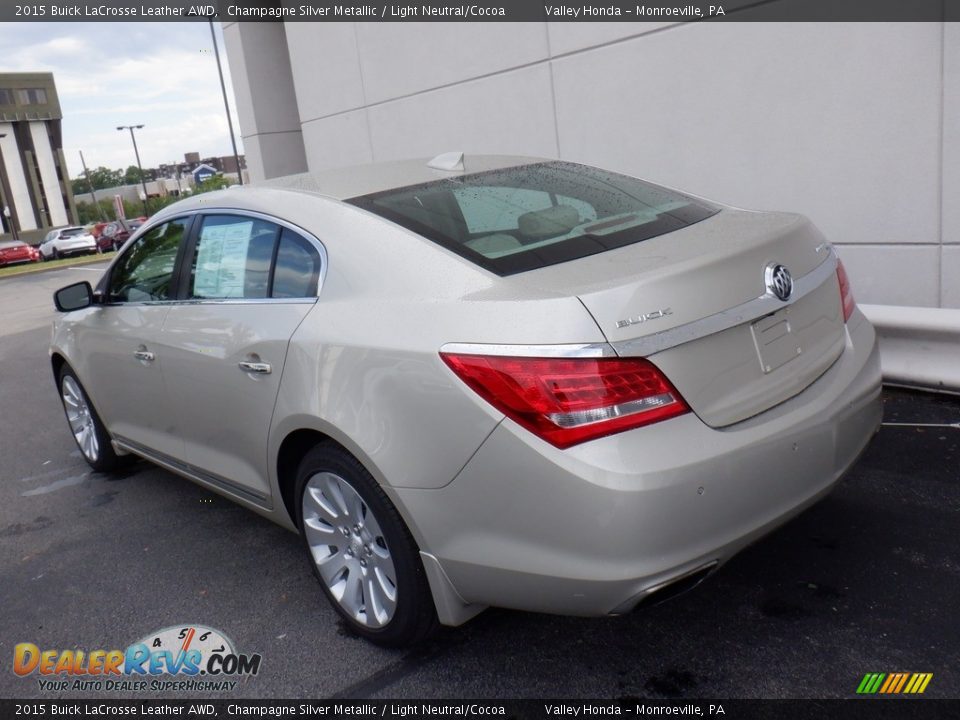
pixel 195 474
pixel 726 319
pixel 248 301
pixel 218 301
pixel 591 350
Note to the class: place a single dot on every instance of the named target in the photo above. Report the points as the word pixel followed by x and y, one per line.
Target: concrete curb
pixel 919 347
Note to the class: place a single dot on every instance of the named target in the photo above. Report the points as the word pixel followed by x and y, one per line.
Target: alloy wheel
pixel 349 550
pixel 80 419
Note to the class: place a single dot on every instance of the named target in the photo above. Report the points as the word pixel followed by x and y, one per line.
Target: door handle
pixel 144 355
pixel 257 368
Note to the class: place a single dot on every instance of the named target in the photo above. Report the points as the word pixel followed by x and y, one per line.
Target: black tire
pixel 106 459
pixel 57 254
pixel 414 617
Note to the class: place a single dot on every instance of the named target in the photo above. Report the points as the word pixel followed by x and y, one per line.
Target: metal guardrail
pixel 919 347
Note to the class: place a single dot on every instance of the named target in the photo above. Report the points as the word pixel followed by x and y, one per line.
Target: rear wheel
pixel 57 254
pixel 361 551
pixel 85 424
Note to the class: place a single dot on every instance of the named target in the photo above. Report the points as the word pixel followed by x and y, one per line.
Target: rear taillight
pixel 571 400
pixel 846 292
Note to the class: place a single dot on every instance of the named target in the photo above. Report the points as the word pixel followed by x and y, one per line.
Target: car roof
pixel 350 182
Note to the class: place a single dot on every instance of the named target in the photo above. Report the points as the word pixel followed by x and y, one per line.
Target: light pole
pixel 226 106
pixel 143 180
pixel 6 209
pixel 93 195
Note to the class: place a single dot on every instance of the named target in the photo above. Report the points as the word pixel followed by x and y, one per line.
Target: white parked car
pixel 66 241
pixel 502 381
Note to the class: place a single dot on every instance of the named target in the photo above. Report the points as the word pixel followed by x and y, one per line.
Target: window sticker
pixel 222 260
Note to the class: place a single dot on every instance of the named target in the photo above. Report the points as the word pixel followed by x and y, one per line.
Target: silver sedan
pixel 477 381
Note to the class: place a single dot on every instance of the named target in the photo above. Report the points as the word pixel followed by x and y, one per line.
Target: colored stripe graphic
pixel 903 681
pixel 894 683
pixel 892 679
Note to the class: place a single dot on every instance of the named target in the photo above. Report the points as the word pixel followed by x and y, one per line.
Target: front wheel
pixel 361 551
pixel 85 424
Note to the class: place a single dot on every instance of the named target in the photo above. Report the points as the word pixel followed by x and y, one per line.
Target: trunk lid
pixel 688 300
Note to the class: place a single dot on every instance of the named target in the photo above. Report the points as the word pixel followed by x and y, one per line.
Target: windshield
pixel 71 232
pixel 528 217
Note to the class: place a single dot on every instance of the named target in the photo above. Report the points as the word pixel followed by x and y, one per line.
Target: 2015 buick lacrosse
pixel 479 381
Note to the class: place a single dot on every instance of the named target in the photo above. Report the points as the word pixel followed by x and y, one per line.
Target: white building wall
pixel 855 125
pixel 17 179
pixel 269 119
pixel 48 174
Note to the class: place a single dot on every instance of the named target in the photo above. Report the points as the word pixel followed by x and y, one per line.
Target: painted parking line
pixel 955 425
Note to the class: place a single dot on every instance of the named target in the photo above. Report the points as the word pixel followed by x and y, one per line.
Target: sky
pixel 160 75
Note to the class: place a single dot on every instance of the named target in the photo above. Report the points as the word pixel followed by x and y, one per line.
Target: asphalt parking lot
pixel 866 581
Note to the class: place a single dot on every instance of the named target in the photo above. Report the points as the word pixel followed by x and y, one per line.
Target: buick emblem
pixel 778 281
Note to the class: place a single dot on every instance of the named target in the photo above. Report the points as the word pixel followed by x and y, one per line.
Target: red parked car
pixel 14 251
pixel 112 235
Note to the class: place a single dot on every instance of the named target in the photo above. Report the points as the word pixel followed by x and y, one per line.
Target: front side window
pixel 528 217
pixel 145 271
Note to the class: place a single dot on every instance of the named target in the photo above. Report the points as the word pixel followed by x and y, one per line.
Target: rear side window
pixel 532 216
pixel 241 257
pixel 297 270
pixel 144 271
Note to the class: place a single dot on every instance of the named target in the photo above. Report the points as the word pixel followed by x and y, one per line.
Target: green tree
pixel 100 178
pixel 87 212
pixel 131 176
pixel 214 182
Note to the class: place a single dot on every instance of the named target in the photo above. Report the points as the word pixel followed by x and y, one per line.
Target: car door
pixel 125 364
pixel 247 283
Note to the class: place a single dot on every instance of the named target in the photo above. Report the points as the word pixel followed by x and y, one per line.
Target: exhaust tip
pixel 668 589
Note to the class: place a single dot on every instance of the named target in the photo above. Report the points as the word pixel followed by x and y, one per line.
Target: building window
pixel 32 96
pixel 6 96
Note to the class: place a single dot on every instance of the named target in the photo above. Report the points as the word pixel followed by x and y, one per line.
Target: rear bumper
pixel 79 251
pixel 75 249
pixel 592 529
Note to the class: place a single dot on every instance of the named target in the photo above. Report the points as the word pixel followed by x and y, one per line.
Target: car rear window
pixel 528 217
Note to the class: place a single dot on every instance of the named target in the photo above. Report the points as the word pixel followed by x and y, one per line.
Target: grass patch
pixel 29 268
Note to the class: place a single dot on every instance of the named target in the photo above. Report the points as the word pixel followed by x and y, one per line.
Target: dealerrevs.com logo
pixel 185 658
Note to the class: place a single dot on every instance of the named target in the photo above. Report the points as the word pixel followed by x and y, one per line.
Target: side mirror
pixel 73 297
